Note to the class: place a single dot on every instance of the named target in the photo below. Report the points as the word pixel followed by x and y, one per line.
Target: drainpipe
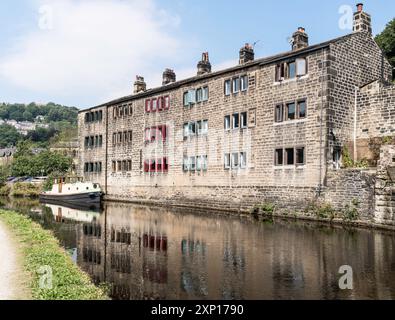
pixel 321 124
pixel 355 123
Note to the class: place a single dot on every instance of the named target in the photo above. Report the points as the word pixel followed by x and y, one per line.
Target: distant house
pixel 69 149
pixel 6 155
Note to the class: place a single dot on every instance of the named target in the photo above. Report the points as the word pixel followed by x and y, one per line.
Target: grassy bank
pixel 42 252
pixel 21 190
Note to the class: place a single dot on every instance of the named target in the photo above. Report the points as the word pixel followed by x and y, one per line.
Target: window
pixel 114 138
pixel 291 111
pixel 204 163
pixel 159 166
pixel 289 156
pixel 243 160
pixel 119 165
pixel 279 113
pixel 205 93
pixel 147 106
pixel 204 127
pixel 153 166
pixel 236 121
pixel 165 165
pixel 199 95
pixel 185 165
pixel 227 87
pixel 86 142
pixel 192 128
pixel 167 103
pixel 120 135
pixel 153 134
pixel 227 123
pixel 301 67
pixel 186 101
pixel 114 166
pixel 100 141
pixel 300 159
pixel 160 104
pixel 227 160
pixel 243 120
pixel 192 163
pixel 279 157
pixel 244 83
pixel 302 109
pixel 186 130
pixel 199 127
pixel 100 115
pixel 154 105
pixel 129 165
pixel 198 163
pixel 235 160
pixel 236 85
pixel 291 70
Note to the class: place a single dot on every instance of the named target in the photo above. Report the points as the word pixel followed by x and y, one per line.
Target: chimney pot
pixel 246 54
pixel 139 85
pixel 300 39
pixel 169 76
pixel 362 20
pixel 204 66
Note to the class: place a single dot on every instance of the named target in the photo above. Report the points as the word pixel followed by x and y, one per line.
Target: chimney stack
pixel 300 39
pixel 169 76
pixel 204 66
pixel 246 54
pixel 139 85
pixel 362 20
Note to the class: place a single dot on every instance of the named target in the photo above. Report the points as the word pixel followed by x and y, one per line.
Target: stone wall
pixel 343 187
pixel 385 187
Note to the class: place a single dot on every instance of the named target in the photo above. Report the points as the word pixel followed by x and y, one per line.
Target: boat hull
pixel 81 200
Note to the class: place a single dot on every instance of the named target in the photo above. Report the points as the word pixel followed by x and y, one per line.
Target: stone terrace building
pixel 265 130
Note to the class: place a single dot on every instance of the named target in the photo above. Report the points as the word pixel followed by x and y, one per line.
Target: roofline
pixel 258 62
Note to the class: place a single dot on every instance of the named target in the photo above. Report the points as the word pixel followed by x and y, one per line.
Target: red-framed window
pixel 165 165
pixel 146 166
pixel 166 102
pixel 160 104
pixel 159 165
pixel 153 134
pixel 148 106
pixel 153 166
pixel 154 103
pixel 147 135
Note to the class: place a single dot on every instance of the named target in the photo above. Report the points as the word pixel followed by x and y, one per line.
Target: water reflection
pixel 152 253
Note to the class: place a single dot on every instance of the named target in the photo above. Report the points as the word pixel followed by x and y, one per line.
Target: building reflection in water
pixel 152 253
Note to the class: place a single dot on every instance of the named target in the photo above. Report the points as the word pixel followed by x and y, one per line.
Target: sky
pixel 86 52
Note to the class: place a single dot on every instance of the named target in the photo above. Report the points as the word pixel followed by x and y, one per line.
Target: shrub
pixel 322 210
pixel 27 190
pixel 5 190
pixel 350 211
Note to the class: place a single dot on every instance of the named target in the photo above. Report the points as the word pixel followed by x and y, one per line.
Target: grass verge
pixel 41 252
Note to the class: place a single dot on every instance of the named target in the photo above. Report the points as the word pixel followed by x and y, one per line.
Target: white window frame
pixel 204 127
pixel 192 163
pixel 301 67
pixel 236 85
pixel 244 83
pixel 235 160
pixel 185 164
pixel 205 93
pixel 204 163
pixel 227 161
pixel 234 121
pixel 228 122
pixel 243 116
pixel 228 87
pixel 198 163
pixel 243 160
pixel 186 130
pixel 199 95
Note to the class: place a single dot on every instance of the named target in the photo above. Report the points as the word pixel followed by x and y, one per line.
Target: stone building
pixel 267 130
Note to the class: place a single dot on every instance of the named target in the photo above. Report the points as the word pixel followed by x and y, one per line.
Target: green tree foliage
pixel 42 134
pixel 51 112
pixel 386 41
pixel 26 163
pixel 9 136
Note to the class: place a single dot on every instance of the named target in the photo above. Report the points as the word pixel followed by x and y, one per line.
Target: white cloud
pixel 92 48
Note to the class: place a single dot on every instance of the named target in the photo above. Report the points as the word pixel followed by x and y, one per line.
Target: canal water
pixel 155 253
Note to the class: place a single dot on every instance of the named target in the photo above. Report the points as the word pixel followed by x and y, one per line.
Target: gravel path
pixel 12 278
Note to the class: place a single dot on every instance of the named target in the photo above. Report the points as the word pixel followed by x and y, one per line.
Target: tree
pixel 9 136
pixel 386 41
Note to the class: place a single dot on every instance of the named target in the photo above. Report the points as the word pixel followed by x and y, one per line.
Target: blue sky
pixel 84 52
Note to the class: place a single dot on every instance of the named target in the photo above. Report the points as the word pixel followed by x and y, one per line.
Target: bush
pixel 322 210
pixel 266 209
pixel 350 212
pixel 5 190
pixel 26 190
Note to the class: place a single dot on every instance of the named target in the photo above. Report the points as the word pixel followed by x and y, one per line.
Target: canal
pixel 156 253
